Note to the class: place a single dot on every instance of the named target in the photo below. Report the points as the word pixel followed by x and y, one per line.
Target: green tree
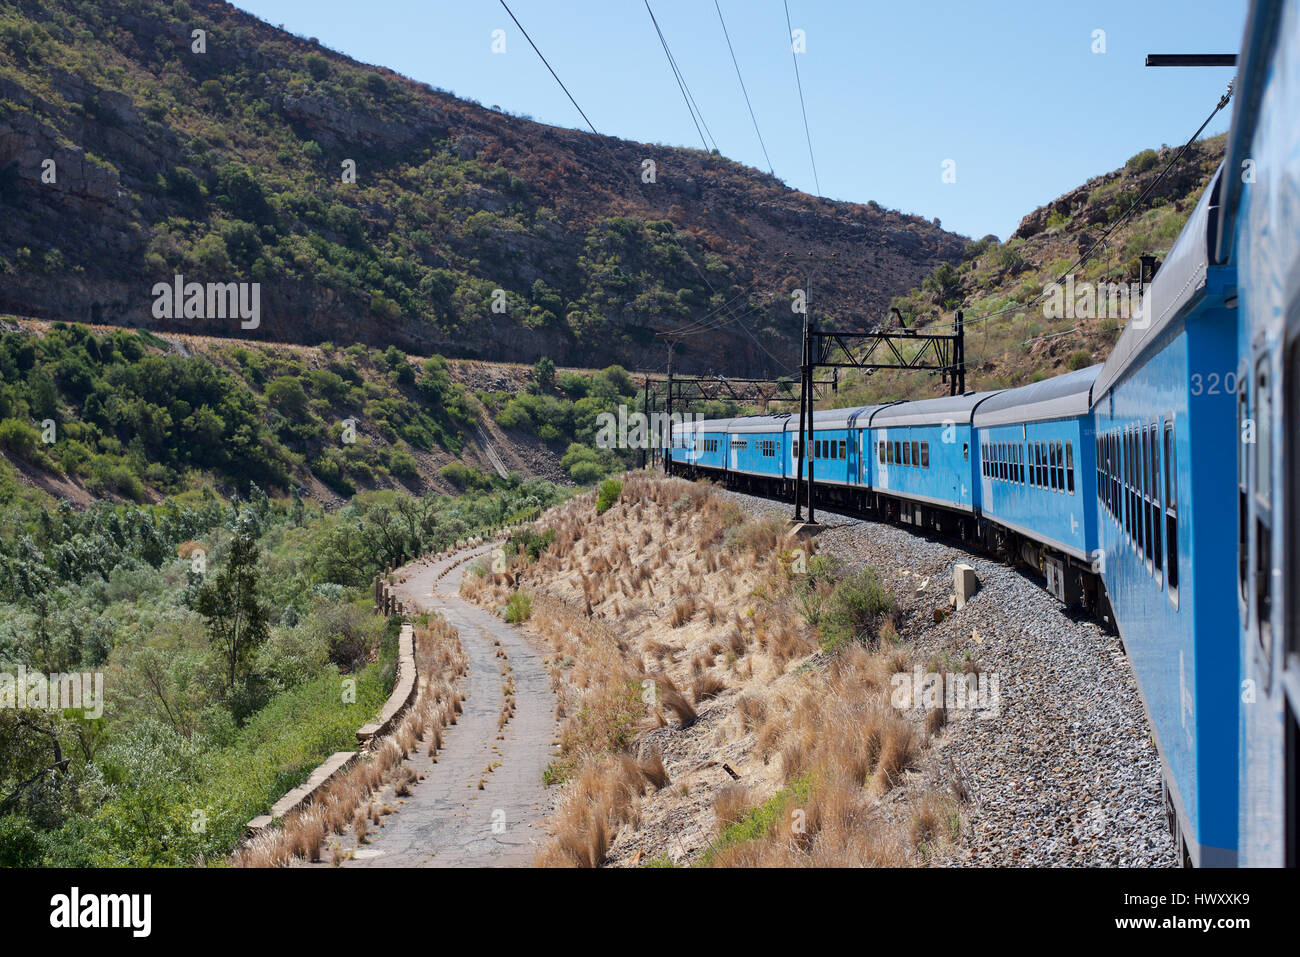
pixel 544 373
pixel 237 621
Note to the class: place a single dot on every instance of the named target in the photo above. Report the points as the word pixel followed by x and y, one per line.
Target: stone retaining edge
pixel 404 691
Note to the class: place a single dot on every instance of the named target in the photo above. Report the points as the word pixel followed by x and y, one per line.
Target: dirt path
pixel 447 821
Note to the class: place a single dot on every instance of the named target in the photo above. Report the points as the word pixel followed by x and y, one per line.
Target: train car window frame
pixel 1147 505
pixel 1157 536
pixel 1290 395
pixel 925 455
pixel 916 452
pixel 844 448
pixel 1263 502
pixel 1069 466
pixel 1243 493
pixel 1172 576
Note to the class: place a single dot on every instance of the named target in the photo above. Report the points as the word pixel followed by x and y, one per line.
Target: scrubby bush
pixel 855 610
pixel 607 495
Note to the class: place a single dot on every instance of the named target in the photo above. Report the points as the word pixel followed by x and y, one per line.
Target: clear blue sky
pixel 1008 89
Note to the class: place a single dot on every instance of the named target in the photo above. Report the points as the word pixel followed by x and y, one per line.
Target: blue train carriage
pixel 758 452
pixel 1165 437
pixel 701 447
pixel 1038 481
pixel 837 454
pixel 923 462
pixel 1260 233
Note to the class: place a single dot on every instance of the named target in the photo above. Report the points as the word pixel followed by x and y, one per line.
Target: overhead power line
pixel 548 66
pixel 732 317
pixel 691 106
pixel 1124 217
pixel 802 106
pixel 736 63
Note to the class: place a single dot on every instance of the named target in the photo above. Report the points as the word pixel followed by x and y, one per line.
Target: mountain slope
pixel 228 165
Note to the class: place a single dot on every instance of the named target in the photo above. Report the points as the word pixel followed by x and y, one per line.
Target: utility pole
pixel 648 451
pixel 803 398
pixel 668 457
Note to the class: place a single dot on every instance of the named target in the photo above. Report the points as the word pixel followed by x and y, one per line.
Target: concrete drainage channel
pixel 482 802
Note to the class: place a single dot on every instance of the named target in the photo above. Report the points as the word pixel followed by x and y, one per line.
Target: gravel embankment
pixel 1065 773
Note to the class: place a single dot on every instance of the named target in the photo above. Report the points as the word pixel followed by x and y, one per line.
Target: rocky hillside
pixel 1021 341
pixel 376 209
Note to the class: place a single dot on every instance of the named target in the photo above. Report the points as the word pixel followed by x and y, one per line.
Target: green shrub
pixel 464 477
pixel 519 608
pixel 1080 359
pixel 608 495
pixel 854 610
pixel 18 436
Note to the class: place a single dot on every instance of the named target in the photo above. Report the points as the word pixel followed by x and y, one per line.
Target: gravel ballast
pixel 1064 772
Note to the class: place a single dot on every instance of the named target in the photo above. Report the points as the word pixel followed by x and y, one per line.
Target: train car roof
pixel 1178 283
pixel 857 416
pixel 1060 397
pixel 952 408
pixel 759 423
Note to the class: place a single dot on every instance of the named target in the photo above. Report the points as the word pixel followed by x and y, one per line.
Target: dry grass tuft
pixel 707 686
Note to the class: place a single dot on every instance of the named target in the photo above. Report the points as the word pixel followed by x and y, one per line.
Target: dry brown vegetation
pixel 356 795
pixel 692 693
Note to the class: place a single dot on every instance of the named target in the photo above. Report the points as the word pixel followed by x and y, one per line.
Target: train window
pixel 907 453
pixel 1051 465
pixel 1243 503
pixel 916 453
pixel 898 453
pixel 1171 507
pixel 1020 454
pixel 844 445
pixel 1157 555
pixel 880 447
pixel 965 451
pixel 1128 483
pixel 1060 468
pixel 1069 466
pixel 1116 505
pixel 984 459
pixel 1144 489
pixel 1043 480
pixel 925 455
pixel 1263 478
